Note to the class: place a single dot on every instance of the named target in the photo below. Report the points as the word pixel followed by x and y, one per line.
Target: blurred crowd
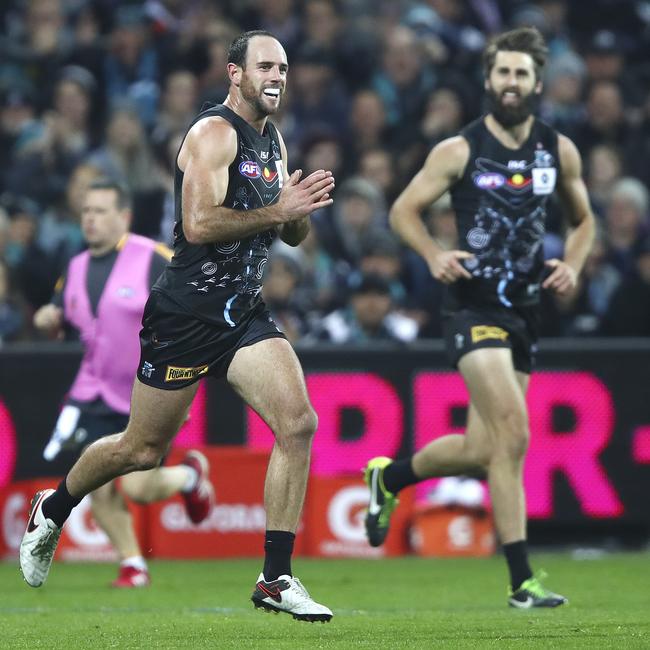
pixel 107 87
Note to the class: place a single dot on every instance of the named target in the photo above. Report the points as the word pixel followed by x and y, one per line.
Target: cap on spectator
pixel 369 283
pixel 79 75
pixel 566 64
pixel 605 41
pixel 15 96
pixel 529 15
pixel 644 246
pixel 360 187
pixel 130 16
pixel 380 243
pixel 15 205
pixel 633 191
pixel 311 54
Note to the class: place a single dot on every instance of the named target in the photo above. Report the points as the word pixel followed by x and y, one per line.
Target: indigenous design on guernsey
pixel 219 283
pixel 500 205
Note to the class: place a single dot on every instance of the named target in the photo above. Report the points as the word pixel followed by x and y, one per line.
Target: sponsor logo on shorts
pixel 175 373
pixel 250 169
pixel 482 332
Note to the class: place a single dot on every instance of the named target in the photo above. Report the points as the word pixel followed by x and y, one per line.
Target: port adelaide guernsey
pixel 220 283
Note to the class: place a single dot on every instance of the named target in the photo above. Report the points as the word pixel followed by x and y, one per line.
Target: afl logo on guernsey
pixel 489 180
pixel 250 169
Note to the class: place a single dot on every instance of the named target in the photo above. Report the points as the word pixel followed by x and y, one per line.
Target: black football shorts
pixel 472 329
pixel 176 349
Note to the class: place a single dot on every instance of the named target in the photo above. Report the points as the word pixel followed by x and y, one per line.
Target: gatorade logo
pixel 14 519
pixel 345 515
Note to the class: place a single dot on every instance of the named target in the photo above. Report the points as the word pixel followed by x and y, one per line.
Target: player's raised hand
pixel 301 196
pixel 563 278
pixel 446 266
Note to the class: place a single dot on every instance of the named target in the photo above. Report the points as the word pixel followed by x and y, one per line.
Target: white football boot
pixel 39 542
pixel 286 594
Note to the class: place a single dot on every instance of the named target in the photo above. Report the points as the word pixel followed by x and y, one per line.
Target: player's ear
pixel 538 87
pixel 234 74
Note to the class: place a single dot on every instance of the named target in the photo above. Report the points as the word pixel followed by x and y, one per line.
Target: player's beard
pixel 252 97
pixel 509 116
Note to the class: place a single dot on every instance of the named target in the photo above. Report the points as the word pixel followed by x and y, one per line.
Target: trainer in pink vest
pixel 111 341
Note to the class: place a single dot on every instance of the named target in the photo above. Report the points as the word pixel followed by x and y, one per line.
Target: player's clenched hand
pixel 563 278
pixel 299 198
pixel 446 266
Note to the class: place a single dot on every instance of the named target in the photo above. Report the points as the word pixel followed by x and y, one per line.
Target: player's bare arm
pixel 209 149
pixel 443 167
pixel 575 203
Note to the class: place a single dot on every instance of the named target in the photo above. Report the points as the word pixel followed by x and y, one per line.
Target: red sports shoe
pixel 129 577
pixel 199 501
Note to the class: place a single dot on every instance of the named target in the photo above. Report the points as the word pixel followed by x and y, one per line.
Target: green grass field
pixel 403 603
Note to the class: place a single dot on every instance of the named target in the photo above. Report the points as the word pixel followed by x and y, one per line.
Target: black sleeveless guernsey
pixel 500 205
pixel 221 283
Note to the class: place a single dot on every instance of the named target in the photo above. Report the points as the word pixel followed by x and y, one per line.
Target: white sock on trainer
pixel 136 561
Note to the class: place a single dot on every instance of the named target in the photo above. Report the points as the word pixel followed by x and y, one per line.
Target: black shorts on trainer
pixel 472 329
pixel 176 349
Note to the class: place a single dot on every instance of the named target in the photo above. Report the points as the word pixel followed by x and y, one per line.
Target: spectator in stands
pixel 605 123
pixel 178 105
pixel 281 18
pixel 213 78
pixel 60 226
pixel 317 98
pixel 604 167
pixel 444 116
pixel 34 271
pixel 369 316
pixel 42 170
pixel 367 122
pixel 324 278
pixel 12 318
pixel 351 48
pixel 127 155
pixel 376 166
pixel 403 82
pixel 381 254
pixel 282 278
pixel 359 210
pixel 19 125
pixel 561 104
pixel 629 309
pixel 131 66
pixel 627 222
pixel 581 313
pixel 37 47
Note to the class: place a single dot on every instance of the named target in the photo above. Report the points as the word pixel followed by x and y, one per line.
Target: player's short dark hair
pixel 239 47
pixel 122 194
pixel 523 39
